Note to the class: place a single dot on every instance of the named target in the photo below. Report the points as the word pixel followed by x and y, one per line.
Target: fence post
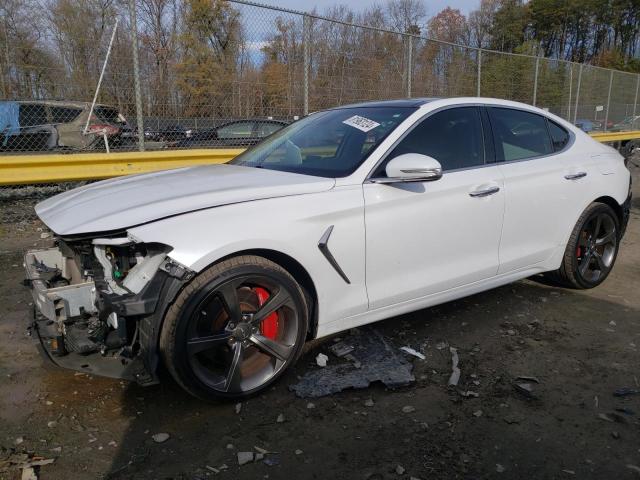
pixel 306 26
pixel 535 81
pixel 570 88
pixel 635 101
pixel 479 72
pixel 575 112
pixel 606 113
pixel 409 66
pixel 136 74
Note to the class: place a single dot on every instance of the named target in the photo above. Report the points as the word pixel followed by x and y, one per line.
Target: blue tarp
pixel 9 119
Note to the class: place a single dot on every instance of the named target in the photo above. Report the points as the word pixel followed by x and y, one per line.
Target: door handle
pixel 575 176
pixel 484 193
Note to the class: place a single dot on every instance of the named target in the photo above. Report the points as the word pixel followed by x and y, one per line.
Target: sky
pixel 433 6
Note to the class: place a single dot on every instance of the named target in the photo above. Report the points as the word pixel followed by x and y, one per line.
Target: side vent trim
pixel 323 245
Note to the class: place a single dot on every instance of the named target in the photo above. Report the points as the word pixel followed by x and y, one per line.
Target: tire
pixel 592 249
pixel 219 339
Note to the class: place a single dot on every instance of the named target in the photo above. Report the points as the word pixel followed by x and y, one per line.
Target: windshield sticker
pixel 361 123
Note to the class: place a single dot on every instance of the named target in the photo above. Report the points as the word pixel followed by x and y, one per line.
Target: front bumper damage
pixel 92 318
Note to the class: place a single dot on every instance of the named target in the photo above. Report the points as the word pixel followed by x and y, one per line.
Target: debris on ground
pixel 413 352
pixel 612 417
pixel 341 349
pixel 400 470
pixel 11 460
pixel 468 394
pixel 245 457
pixel 368 402
pixel 238 408
pixel 378 362
pixel 634 468
pixel 455 371
pixel 408 409
pixel 623 392
pixel 525 389
pixel 528 379
pixel 160 437
pixel 280 418
pixel 321 360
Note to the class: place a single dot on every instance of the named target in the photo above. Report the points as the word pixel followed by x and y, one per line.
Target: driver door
pixel 423 238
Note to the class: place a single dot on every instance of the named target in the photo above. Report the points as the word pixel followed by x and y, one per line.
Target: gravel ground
pixel 581 346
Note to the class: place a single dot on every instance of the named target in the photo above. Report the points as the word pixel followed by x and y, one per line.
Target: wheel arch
pixel 615 206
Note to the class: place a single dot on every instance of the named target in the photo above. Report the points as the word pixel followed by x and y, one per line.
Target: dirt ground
pixel 581 345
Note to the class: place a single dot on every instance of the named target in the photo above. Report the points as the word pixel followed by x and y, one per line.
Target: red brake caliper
pixel 269 326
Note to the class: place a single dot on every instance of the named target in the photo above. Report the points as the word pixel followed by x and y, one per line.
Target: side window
pixel 266 128
pixel 559 136
pixel 519 134
pixel 32 115
pixel 236 130
pixel 64 114
pixel 452 136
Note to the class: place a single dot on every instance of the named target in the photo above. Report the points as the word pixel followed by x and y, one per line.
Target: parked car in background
pixel 239 133
pixel 36 126
pixel 629 123
pixel 586 125
pixel 345 217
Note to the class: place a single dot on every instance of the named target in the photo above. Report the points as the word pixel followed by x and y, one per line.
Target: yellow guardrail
pixel 25 169
pixel 44 168
pixel 605 137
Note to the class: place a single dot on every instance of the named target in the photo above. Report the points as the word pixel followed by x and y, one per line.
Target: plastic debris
pixel 321 360
pixel 528 379
pixel 400 470
pixel 341 349
pixel 413 352
pixel 408 409
pixel 378 362
pixel 455 371
pixel 280 418
pixel 160 437
pixel 238 408
pixel 525 389
pixel 245 457
pixel 623 392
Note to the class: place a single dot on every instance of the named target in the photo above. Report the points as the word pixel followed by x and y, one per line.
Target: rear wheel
pixel 592 248
pixel 235 328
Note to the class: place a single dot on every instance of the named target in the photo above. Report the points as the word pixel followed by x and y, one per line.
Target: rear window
pixel 559 136
pixel 519 135
pixel 108 114
pixel 32 114
pixel 64 114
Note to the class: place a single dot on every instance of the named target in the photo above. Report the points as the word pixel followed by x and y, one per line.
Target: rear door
pixel 544 185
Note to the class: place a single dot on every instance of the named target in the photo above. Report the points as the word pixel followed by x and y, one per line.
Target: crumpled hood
pixel 127 201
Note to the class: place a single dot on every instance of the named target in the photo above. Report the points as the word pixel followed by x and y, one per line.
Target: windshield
pixel 332 143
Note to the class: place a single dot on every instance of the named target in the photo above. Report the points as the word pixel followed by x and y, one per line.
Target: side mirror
pixel 413 167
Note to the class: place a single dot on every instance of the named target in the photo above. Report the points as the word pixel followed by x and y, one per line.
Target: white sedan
pixel 346 217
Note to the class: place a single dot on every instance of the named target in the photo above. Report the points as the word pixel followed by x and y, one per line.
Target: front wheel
pixel 592 248
pixel 235 328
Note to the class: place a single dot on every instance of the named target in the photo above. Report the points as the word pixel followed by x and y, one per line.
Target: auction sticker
pixel 361 123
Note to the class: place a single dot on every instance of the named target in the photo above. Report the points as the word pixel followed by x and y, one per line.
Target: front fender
pixel 289 225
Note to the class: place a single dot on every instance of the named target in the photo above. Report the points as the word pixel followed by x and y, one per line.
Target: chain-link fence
pixel 237 71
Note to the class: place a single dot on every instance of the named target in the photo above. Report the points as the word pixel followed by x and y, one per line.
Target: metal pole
pixel 606 113
pixel 575 112
pixel 570 86
pixel 635 102
pixel 535 82
pixel 409 66
pixel 104 67
pixel 479 72
pixel 136 74
pixel 306 26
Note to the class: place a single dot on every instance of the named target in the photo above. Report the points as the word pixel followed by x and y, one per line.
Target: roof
pixel 401 102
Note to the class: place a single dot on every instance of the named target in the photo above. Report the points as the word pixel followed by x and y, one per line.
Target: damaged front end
pixel 99 303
